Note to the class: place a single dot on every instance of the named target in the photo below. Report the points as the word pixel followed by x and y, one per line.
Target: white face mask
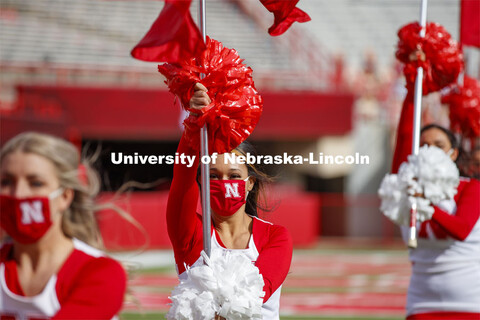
pixel 450 152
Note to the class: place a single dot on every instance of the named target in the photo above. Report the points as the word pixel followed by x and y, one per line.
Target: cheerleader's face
pixel 438 138
pixel 230 171
pixel 28 175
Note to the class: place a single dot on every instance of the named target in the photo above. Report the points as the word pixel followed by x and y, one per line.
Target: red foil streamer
pixel 443 57
pixel 464 105
pixel 236 105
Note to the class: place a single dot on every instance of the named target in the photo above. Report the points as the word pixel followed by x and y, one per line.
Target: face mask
pixel 227 196
pixel 450 152
pixel 26 220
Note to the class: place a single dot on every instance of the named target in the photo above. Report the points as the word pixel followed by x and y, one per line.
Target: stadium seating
pixel 100 34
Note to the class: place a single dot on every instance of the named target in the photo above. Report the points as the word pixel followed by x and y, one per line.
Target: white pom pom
pixel 228 285
pixel 431 173
pixel 393 198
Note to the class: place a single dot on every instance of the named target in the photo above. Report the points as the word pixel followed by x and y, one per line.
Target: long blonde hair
pixel 78 221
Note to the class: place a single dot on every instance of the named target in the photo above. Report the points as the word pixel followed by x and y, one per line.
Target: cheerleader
pixel 51 268
pixel 445 282
pixel 234 192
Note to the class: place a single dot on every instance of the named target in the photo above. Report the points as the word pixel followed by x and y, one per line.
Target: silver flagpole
pixel 412 240
pixel 205 168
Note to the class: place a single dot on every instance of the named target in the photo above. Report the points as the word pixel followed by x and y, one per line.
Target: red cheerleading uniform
pixel 270 246
pixel 89 285
pixel 445 281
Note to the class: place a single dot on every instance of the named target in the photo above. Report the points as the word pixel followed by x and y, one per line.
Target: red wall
pixel 149 114
pixel 298 211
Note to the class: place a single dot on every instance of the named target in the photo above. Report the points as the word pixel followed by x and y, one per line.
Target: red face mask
pixel 227 196
pixel 26 220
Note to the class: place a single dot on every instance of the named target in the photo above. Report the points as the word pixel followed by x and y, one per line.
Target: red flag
pixel 172 37
pixel 285 13
pixel 470 23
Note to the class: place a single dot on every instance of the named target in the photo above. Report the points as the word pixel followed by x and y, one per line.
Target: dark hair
pixel 451 137
pixel 256 198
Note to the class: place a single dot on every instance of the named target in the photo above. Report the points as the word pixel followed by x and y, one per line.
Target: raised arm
pixel 182 200
pixel 403 146
pixel 182 220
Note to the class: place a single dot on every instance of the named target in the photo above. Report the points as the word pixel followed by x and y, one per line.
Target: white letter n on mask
pixel 32 212
pixel 26 220
pixel 227 196
pixel 231 190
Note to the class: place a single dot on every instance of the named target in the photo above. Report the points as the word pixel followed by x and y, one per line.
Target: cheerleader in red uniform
pixel 445 282
pixel 235 190
pixel 50 269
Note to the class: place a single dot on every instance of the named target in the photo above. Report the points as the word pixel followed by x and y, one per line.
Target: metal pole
pixel 412 240
pixel 205 168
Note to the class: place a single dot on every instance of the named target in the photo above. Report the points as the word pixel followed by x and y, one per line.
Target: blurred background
pixel 331 86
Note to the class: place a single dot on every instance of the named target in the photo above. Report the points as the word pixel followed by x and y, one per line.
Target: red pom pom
pixel 236 105
pixel 464 105
pixel 443 57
